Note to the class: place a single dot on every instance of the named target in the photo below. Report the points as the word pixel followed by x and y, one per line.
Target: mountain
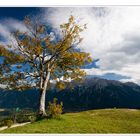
pixel 93 93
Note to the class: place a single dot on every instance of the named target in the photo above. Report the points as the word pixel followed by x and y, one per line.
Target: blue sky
pixel 17 12
pixel 112 36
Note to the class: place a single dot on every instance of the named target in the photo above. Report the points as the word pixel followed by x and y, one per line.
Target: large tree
pixel 36 58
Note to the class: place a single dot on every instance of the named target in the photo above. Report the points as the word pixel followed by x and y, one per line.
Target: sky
pixel 112 36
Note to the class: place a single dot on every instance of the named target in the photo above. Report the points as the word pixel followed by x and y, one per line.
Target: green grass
pixel 94 121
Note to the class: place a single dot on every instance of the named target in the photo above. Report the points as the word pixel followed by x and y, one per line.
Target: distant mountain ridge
pixel 93 93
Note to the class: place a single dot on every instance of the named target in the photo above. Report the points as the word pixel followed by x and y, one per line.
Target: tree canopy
pixel 27 63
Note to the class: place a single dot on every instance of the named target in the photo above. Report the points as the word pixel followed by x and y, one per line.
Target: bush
pixel 5 121
pixel 32 119
pixel 2 123
pixel 9 123
pixel 54 109
pixel 22 118
pixel 25 116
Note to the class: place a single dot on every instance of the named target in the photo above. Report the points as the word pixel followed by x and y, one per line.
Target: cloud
pixel 113 37
pixel 7 26
pixel 4 32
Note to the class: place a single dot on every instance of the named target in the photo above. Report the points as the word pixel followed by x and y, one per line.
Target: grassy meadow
pixel 86 122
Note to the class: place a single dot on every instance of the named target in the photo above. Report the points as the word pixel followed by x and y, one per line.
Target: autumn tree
pixel 36 59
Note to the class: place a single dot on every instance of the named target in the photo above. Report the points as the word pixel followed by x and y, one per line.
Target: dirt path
pixel 15 125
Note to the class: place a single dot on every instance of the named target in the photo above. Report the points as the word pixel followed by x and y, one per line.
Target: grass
pixel 94 121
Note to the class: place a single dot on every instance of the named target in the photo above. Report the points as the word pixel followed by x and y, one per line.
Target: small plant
pixel 54 109
pixel 9 123
pixel 2 123
pixel 32 118
pixel 25 116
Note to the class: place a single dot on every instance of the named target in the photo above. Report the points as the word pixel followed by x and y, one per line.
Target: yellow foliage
pixel 62 56
pixel 38 50
pixel 60 85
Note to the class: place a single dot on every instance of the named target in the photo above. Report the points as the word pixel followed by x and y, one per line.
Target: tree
pixel 36 59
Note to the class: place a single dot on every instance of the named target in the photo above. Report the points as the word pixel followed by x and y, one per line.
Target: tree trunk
pixel 42 111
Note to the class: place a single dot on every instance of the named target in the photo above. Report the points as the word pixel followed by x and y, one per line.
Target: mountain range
pixel 93 93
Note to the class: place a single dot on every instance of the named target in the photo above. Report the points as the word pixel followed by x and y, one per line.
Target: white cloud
pixel 4 32
pixel 6 28
pixel 113 36
pixel 52 36
pixel 3 86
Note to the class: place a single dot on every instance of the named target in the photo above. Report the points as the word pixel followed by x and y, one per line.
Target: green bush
pixel 9 123
pixel 32 118
pixel 22 118
pixel 54 109
pixel 25 116
pixel 5 120
pixel 2 123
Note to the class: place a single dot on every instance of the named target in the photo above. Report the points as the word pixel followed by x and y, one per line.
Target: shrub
pixel 9 123
pixel 25 116
pixel 54 109
pixel 5 120
pixel 2 123
pixel 32 118
pixel 22 118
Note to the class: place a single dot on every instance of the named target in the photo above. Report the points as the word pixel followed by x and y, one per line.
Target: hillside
pixel 93 93
pixel 93 121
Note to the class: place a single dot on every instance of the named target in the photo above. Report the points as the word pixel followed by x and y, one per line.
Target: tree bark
pixel 42 111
